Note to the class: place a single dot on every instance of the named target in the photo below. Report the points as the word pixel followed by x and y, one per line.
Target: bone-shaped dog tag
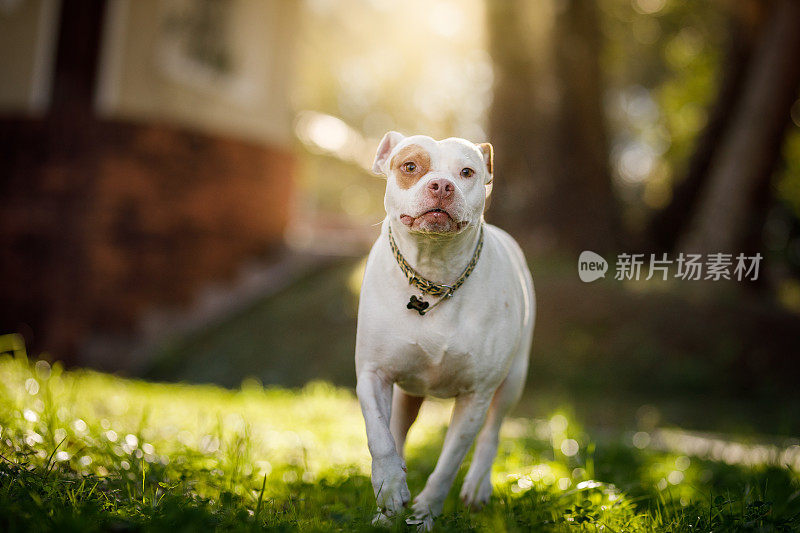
pixel 417 304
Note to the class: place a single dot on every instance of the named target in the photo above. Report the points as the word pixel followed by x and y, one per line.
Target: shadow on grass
pixel 716 361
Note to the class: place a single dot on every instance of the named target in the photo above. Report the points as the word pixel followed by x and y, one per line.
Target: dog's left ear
pixel 389 141
pixel 487 151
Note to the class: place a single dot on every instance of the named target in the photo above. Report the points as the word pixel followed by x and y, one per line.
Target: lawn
pixel 85 451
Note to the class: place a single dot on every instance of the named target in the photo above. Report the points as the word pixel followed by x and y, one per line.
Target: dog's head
pixel 436 187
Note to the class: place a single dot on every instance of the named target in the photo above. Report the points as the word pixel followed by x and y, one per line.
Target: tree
pixel 547 124
pixel 746 19
pixel 743 163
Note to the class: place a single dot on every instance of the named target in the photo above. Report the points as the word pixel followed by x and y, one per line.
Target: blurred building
pixel 144 152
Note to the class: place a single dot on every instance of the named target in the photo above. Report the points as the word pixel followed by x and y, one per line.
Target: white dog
pixel 447 310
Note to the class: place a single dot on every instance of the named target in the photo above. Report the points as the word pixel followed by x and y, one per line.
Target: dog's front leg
pixel 468 416
pixel 388 468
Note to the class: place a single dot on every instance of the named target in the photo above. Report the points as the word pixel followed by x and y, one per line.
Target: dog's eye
pixel 409 167
pixel 467 172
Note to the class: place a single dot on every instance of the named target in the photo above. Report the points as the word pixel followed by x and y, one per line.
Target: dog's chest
pixel 451 351
pixel 436 363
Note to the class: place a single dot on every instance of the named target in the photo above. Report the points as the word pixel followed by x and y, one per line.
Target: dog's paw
pixel 423 523
pixel 475 493
pixel 426 507
pixel 389 484
pixel 381 520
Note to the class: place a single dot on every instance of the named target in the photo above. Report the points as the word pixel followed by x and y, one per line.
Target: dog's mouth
pixel 436 220
pixel 436 215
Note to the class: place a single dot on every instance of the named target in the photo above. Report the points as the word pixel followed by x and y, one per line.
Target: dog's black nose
pixel 441 188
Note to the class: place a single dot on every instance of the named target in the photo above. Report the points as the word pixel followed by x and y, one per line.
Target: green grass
pixel 85 451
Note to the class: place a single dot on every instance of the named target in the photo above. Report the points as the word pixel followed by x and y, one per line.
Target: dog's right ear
pixel 389 141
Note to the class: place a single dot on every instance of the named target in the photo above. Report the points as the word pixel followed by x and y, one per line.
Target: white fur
pixel 473 347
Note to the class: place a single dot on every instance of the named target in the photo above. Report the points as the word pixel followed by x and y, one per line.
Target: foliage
pixel 663 66
pixel 84 451
pixel 788 186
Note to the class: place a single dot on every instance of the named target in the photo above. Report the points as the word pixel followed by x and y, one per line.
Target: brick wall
pixel 102 220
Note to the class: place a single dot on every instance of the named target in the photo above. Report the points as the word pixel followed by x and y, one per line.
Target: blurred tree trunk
pixel 74 79
pixel 668 224
pixel 521 117
pixel 583 206
pixel 749 149
pixel 546 122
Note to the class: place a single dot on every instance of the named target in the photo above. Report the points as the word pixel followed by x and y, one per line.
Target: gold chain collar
pixel 427 286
